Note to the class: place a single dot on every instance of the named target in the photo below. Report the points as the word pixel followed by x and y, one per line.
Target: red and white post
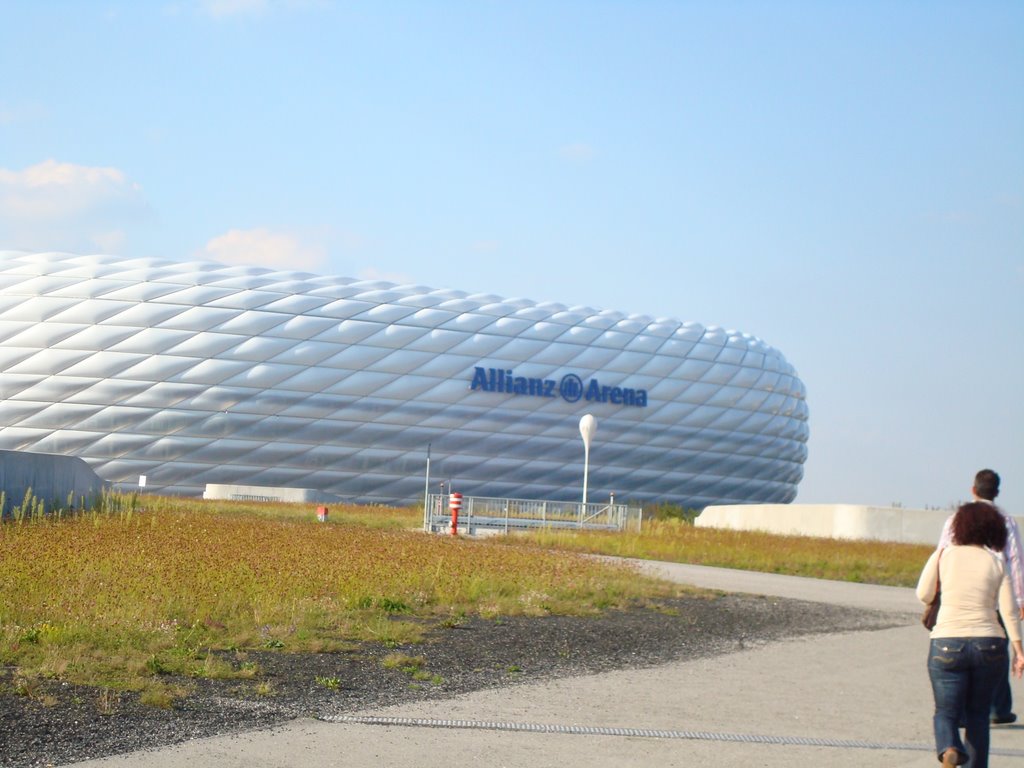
pixel 455 504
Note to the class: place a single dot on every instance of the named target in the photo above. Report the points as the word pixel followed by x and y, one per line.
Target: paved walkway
pixel 859 698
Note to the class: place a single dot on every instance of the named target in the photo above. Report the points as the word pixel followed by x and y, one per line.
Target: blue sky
pixel 843 180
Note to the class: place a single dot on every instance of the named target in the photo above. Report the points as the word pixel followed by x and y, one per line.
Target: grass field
pixel 873 562
pixel 120 597
pixel 158 585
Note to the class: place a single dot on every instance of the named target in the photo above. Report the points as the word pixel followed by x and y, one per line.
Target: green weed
pixel 330 683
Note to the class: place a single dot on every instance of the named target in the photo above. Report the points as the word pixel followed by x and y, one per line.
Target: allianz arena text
pixel 195 372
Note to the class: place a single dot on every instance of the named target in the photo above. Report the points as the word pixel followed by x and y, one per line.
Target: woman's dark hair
pixel 981 525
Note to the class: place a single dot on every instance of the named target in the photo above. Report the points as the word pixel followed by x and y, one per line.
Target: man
pixel 986 488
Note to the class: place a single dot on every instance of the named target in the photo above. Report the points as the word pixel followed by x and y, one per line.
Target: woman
pixel 968 645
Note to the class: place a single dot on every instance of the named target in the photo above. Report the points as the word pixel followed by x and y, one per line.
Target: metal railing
pixel 487 514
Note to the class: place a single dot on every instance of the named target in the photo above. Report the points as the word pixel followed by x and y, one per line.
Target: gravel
pixel 60 723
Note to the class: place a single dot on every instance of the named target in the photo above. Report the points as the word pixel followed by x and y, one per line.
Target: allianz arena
pixel 194 372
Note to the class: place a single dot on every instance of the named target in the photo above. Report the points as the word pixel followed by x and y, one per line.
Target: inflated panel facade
pixel 196 372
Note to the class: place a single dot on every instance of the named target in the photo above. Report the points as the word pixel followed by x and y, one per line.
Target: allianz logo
pixel 570 388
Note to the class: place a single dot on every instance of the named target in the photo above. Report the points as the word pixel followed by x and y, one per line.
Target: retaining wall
pixel 265 493
pixel 52 478
pixel 837 521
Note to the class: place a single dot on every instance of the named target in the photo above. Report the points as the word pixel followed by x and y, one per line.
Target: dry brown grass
pixel 874 562
pixel 123 597
pixel 147 586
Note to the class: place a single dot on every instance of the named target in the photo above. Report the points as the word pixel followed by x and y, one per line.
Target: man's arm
pixel 947 534
pixel 1014 556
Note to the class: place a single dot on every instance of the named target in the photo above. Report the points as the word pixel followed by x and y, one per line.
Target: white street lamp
pixel 588 426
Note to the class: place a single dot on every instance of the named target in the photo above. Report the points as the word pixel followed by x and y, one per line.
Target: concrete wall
pixel 838 521
pixel 265 493
pixel 51 478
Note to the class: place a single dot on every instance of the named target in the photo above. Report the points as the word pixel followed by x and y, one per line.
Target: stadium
pixel 194 372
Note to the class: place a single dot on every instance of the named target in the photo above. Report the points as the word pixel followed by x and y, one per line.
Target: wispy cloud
pixel 20 113
pixel 372 273
pixel 224 9
pixel 263 248
pixel 577 152
pixel 485 246
pixel 63 206
pixel 221 9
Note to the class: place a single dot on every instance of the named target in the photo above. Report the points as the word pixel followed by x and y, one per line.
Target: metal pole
pixel 586 470
pixel 588 425
pixel 426 494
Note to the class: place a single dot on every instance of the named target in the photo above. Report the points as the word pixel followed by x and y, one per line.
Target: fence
pixel 483 514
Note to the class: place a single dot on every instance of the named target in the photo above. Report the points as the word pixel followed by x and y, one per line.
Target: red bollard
pixel 455 504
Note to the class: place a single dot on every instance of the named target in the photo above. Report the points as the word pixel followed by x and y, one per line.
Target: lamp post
pixel 426 494
pixel 588 425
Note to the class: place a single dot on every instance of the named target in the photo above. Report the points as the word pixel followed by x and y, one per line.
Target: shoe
pixel 1004 719
pixel 952 757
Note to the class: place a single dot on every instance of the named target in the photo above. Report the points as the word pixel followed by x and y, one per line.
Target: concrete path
pixel 858 698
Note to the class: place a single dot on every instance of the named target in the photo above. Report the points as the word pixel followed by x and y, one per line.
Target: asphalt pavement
pixel 854 698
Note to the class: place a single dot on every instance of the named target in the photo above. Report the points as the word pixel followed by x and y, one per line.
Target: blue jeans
pixel 964 672
pixel 1002 699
